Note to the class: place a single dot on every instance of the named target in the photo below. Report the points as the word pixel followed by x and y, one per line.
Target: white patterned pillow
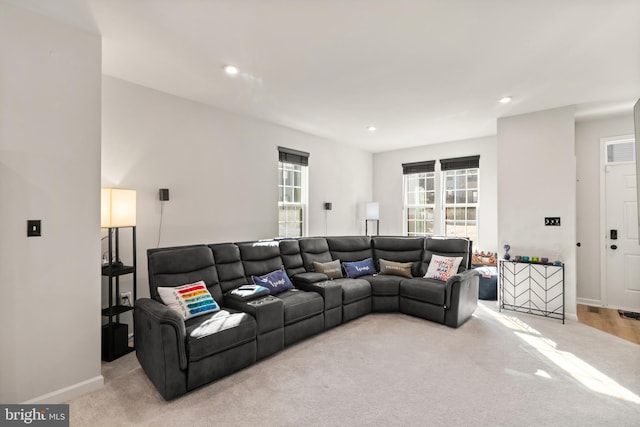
pixel 441 267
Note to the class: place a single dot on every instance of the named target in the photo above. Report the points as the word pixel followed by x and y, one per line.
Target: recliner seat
pixel 386 288
pixel 303 311
pixel 179 355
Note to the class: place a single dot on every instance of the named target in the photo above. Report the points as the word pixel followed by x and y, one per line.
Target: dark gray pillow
pixel 332 269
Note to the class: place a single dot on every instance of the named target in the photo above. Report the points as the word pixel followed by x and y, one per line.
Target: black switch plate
pixel 163 194
pixel 552 220
pixel 33 228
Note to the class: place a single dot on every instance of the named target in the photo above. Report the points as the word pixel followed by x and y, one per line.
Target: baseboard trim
pixel 67 393
pixel 571 312
pixel 623 308
pixel 591 302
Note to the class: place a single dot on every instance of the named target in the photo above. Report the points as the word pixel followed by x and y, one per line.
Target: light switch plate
pixel 34 228
pixel 552 220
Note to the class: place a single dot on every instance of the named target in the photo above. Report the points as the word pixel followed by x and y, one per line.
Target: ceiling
pixel 420 71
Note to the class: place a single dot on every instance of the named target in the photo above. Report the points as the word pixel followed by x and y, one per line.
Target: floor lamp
pixel 372 214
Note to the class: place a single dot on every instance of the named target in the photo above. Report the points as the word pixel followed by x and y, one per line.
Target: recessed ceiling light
pixel 231 70
pixel 372 129
pixel 505 100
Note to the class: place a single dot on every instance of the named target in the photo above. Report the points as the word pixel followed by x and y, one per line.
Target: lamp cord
pixel 160 226
pixel 326 221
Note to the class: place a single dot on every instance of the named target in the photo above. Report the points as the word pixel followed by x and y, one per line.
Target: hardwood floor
pixel 610 321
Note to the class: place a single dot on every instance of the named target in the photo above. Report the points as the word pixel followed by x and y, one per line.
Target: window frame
pixel 438 223
pixel 465 205
pixel 285 167
pixel 422 200
pixel 621 140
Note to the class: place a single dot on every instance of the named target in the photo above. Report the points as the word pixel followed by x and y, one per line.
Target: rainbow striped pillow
pixel 189 300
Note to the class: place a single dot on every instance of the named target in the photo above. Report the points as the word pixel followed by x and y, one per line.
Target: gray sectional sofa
pixel 180 355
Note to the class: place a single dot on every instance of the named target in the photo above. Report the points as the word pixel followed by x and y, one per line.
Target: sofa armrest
pixel 237 298
pixel 331 292
pixel 160 340
pixel 456 280
pixel 307 278
pixel 267 310
pixel 461 297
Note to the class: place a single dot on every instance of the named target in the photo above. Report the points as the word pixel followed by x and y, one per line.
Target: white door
pixel 622 253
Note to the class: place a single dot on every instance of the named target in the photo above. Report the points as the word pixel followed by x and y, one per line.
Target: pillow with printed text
pixel 441 267
pixel 402 269
pixel 276 281
pixel 331 269
pixel 359 268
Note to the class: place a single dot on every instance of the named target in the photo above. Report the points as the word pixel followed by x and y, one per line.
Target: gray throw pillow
pixel 396 268
pixel 332 269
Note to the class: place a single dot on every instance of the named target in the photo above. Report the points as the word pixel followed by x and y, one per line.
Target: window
pixel 460 196
pixel 419 199
pixel 292 192
pixel 453 209
pixel 620 150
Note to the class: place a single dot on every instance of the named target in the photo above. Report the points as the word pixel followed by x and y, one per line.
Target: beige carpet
pixel 499 369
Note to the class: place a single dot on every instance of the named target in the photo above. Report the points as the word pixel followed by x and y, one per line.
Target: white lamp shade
pixel 373 210
pixel 118 208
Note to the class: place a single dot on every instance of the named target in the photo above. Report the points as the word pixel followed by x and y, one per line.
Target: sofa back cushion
pixel 399 249
pixel 228 265
pixel 350 248
pixel 447 247
pixel 260 258
pixel 291 257
pixel 177 266
pixel 314 249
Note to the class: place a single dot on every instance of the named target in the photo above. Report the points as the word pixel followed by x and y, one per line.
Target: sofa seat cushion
pixel 354 289
pixel 212 333
pixel 425 290
pixel 384 285
pixel 299 305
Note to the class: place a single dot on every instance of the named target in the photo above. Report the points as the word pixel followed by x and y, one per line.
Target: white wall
pixel 588 134
pixel 49 170
pixel 387 184
pixel 221 170
pixel 537 179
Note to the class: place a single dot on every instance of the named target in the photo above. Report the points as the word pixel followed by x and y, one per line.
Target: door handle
pixel 614 247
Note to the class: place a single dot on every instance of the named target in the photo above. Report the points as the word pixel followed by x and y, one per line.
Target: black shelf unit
pixel 532 288
pixel 115 335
